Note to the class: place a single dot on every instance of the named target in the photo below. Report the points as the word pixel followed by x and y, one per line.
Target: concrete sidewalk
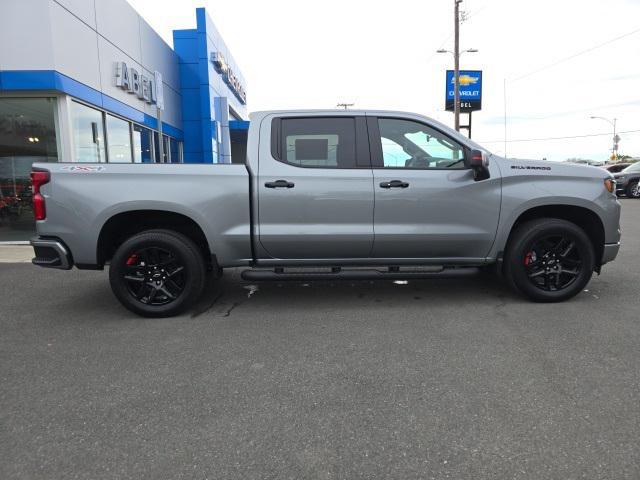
pixel 15 253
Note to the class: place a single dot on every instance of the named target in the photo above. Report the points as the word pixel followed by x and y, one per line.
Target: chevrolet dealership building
pixel 91 81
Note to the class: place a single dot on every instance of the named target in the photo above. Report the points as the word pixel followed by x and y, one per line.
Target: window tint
pixel 88 133
pixel 319 142
pixel 119 140
pixel 409 144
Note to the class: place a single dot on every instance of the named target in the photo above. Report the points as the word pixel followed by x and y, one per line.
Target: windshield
pixel 632 168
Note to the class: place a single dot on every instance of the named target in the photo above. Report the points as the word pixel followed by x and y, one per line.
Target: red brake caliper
pixel 528 258
pixel 132 259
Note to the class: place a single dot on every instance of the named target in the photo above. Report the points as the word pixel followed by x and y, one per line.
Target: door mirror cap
pixel 477 160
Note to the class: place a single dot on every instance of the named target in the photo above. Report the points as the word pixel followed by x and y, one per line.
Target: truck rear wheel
pixel 157 273
pixel 549 260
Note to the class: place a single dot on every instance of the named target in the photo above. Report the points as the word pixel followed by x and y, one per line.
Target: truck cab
pixel 367 188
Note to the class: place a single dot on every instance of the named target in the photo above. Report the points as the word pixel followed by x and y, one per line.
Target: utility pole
pixel 616 138
pixel 456 66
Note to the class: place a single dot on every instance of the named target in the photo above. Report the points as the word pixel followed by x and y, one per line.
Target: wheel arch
pixel 583 217
pixel 123 225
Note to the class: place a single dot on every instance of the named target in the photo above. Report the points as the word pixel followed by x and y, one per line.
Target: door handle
pixel 394 184
pixel 280 184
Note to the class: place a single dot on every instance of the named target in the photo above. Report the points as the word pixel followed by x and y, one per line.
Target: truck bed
pixel 81 198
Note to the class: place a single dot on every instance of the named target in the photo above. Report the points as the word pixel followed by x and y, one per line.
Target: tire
pixel 534 263
pixel 157 273
pixel 633 190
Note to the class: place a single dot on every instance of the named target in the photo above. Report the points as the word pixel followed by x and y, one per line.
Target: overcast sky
pixel 380 54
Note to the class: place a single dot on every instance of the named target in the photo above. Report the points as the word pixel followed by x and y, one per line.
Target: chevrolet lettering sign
pixel 222 67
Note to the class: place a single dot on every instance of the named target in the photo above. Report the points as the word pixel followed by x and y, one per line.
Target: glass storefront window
pixel 142 145
pixel 27 135
pixel 174 148
pixel 156 147
pixel 165 149
pixel 118 140
pixel 88 133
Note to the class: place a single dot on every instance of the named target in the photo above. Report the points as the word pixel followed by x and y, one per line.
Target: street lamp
pixel 456 81
pixel 616 139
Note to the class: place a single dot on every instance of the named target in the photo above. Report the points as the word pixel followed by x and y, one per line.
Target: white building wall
pixel 84 39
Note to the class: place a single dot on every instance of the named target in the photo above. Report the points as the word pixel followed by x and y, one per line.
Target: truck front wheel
pixel 549 259
pixel 157 273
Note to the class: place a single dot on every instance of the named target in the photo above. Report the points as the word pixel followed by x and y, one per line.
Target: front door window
pixel 409 144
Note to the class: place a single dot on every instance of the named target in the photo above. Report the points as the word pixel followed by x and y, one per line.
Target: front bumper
pixel 610 252
pixel 51 253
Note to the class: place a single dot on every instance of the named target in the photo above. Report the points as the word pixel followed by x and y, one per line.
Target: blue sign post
pixel 470 90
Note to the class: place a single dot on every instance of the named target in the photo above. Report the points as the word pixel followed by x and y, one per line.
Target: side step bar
pixel 393 273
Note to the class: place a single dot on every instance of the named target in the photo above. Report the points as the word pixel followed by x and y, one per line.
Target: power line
pixel 556 138
pixel 630 103
pixel 570 57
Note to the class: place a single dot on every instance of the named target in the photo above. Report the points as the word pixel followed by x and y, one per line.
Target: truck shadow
pixel 223 295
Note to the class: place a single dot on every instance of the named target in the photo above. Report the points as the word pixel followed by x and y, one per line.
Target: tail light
pixel 39 178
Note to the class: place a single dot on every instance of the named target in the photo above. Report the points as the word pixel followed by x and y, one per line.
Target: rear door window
pixel 320 142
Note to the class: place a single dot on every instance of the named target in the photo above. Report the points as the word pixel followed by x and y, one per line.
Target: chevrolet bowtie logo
pixel 466 80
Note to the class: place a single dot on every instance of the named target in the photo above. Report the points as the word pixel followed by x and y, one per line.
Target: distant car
pixel 616 167
pixel 627 181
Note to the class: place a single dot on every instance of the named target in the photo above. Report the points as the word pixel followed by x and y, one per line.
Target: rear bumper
pixel 610 252
pixel 51 253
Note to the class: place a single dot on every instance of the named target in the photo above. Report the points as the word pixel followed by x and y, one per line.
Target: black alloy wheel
pixel 157 273
pixel 553 263
pixel 549 259
pixel 154 276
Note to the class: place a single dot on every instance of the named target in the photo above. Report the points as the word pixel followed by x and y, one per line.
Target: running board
pixel 337 273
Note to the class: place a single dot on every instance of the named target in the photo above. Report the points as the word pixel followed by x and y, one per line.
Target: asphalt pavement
pixel 459 379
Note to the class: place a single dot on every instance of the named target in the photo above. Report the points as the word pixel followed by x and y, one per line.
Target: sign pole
pixel 160 142
pixel 456 67
pixel 159 97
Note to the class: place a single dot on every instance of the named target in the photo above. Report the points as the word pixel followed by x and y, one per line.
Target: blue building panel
pixel 239 125
pixel 192 136
pixel 189 75
pixel 191 104
pixel 201 110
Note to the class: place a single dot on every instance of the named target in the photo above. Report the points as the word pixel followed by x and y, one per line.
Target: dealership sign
pixel 145 88
pixel 470 89
pixel 222 67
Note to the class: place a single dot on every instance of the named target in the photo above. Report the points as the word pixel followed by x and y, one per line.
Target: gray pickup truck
pixel 325 195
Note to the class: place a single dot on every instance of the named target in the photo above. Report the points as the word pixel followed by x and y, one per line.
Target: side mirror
pixel 478 161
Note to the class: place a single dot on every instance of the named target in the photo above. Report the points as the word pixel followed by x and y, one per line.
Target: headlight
pixel 610 185
pixel 620 178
